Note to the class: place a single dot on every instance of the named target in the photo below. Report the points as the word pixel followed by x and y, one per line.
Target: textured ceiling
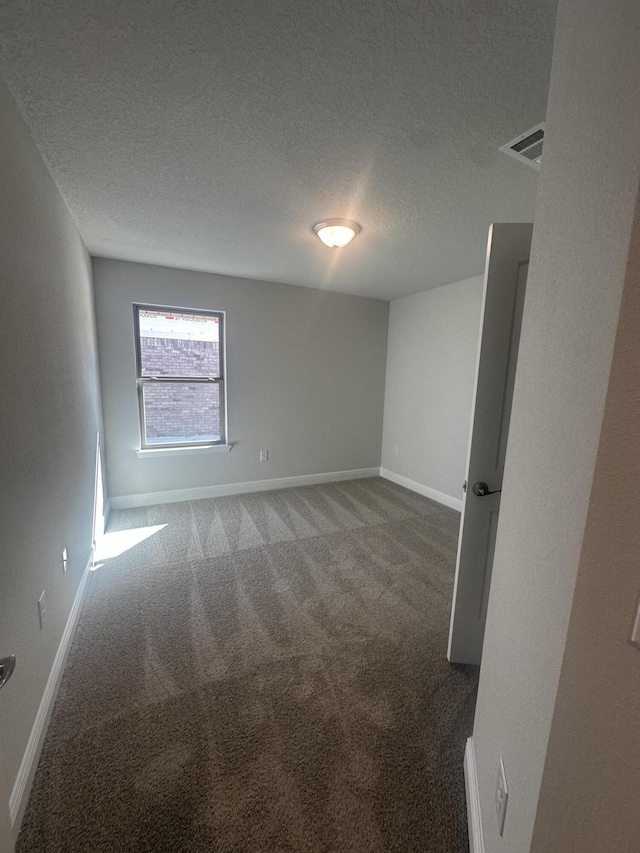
pixel 213 135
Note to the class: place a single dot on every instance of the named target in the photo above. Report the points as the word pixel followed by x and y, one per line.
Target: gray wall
pixel 431 364
pixel 589 798
pixel 585 209
pixel 305 375
pixel 48 420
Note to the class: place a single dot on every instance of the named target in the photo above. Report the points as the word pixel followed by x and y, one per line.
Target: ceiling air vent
pixel 527 148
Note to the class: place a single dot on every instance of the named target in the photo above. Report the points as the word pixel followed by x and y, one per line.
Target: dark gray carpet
pixel 265 673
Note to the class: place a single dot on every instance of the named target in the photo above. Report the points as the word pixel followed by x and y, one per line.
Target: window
pixel 180 360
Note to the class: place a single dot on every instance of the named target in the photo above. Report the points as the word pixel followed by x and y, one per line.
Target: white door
pixel 504 287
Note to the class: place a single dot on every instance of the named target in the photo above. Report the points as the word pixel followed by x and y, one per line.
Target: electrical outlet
pixel 264 455
pixel 65 560
pixel 502 796
pixel 42 608
pixel 396 451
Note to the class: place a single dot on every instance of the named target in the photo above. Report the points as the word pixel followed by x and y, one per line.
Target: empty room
pixel 319 460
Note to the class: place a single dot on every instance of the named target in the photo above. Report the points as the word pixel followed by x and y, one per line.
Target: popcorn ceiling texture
pixel 214 135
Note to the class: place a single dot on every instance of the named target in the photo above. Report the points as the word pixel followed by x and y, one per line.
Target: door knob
pixel 7 665
pixel 481 489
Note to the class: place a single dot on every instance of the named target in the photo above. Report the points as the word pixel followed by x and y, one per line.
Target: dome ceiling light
pixel 336 233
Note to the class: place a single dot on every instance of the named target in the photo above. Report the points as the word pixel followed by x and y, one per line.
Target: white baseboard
pixel 22 786
pixel 476 840
pixel 128 501
pixel 428 492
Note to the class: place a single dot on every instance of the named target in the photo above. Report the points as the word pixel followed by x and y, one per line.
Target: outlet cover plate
pixel 502 796
pixel 42 608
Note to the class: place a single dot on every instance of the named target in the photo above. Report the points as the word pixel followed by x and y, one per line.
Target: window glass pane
pixel 174 344
pixel 178 412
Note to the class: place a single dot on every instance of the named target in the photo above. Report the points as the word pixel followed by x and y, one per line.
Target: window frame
pixel 219 380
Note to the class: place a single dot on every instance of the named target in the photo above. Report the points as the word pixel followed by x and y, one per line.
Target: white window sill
pixel 163 452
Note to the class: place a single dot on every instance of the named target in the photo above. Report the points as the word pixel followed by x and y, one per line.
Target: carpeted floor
pixel 266 672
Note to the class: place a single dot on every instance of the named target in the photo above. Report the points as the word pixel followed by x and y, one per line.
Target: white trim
pixel 162 452
pixel 129 501
pixel 427 491
pixel 474 820
pixel 22 786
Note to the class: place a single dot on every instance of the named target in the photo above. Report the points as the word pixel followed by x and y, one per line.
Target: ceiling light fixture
pixel 336 233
